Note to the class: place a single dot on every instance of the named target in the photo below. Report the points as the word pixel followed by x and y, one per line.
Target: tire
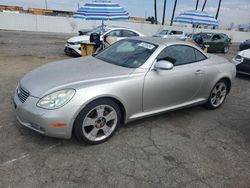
pixel 217 95
pixel 97 122
pixel 226 49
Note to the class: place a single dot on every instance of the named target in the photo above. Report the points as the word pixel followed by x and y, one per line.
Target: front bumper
pixel 39 120
pixel 242 68
pixel 73 49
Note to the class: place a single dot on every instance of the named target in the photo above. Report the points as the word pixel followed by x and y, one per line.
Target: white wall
pixel 28 22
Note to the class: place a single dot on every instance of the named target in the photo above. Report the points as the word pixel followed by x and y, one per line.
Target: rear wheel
pixel 217 95
pixel 97 122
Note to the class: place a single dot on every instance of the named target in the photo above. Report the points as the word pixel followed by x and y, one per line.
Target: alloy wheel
pixel 99 123
pixel 218 94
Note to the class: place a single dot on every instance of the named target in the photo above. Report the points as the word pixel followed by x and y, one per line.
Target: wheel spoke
pixel 223 93
pixel 217 101
pixel 213 99
pixel 214 91
pixel 106 129
pixel 221 86
pixel 100 111
pixel 111 116
pixel 92 134
pixel 88 121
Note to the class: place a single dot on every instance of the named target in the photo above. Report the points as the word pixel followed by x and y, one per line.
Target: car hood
pixel 245 53
pixel 79 38
pixel 61 74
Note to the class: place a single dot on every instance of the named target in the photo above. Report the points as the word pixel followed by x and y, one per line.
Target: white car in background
pixel 73 45
pixel 165 33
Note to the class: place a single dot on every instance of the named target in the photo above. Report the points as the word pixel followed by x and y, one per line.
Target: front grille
pixel 22 94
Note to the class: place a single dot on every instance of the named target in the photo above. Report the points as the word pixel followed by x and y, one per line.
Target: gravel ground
pixel 192 148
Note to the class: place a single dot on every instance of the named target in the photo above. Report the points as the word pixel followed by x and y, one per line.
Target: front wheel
pixel 226 49
pixel 97 122
pixel 217 95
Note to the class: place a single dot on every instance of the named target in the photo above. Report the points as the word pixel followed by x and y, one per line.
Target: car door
pixel 217 43
pixel 166 88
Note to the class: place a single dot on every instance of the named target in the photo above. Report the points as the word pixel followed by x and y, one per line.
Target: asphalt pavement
pixel 194 147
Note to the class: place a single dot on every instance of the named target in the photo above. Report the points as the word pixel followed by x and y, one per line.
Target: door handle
pixel 198 72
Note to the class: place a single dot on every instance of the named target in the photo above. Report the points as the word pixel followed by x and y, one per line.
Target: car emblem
pixel 18 91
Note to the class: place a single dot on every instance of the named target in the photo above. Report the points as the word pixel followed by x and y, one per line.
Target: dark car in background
pixel 242 62
pixel 245 45
pixel 215 42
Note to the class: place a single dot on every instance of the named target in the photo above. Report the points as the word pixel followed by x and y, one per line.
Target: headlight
pixel 56 99
pixel 238 58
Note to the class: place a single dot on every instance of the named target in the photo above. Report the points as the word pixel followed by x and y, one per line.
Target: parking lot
pixel 193 147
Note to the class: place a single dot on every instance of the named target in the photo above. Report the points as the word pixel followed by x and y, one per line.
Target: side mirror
pixel 163 65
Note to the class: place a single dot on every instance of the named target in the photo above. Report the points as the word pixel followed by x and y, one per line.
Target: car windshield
pixel 128 53
pixel 99 30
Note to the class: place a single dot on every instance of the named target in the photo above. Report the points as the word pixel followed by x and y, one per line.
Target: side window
pixel 114 33
pixel 216 37
pixel 176 32
pixel 171 32
pixel 127 33
pixel 178 54
pixel 199 56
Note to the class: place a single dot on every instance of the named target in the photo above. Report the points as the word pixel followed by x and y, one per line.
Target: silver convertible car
pixel 91 97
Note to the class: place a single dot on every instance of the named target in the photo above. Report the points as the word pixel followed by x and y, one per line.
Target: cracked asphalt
pixel 193 147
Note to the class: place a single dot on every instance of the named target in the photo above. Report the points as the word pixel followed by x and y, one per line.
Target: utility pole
pixel 197 3
pixel 155 6
pixel 218 10
pixel 217 13
pixel 175 3
pixel 164 11
pixel 46 4
pixel 203 7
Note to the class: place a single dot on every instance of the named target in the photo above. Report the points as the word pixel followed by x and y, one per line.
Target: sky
pixel 236 11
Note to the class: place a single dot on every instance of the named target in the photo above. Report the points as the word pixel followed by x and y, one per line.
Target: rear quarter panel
pixel 217 68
